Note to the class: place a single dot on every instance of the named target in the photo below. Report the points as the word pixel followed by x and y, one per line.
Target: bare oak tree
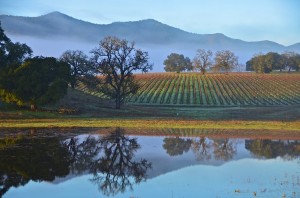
pixel 79 64
pixel 225 61
pixel 202 60
pixel 116 60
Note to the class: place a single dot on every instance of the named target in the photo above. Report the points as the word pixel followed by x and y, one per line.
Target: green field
pixel 233 89
pixel 179 97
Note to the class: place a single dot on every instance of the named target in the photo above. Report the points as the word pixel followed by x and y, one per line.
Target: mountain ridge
pixel 157 38
pixel 149 22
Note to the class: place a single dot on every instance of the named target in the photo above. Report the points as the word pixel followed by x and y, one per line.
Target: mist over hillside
pixel 53 33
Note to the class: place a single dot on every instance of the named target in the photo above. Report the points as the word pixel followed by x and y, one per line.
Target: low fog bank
pixel 157 53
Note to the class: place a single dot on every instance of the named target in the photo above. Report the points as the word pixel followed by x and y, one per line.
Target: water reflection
pixel 110 159
pixel 177 146
pixel 225 149
pixel 115 162
pixel 38 159
pixel 117 170
pixel 268 149
pixel 204 148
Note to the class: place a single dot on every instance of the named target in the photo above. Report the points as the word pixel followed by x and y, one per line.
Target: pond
pixel 126 163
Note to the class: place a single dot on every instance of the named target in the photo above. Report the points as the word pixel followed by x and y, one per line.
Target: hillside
pixel 59 32
pixel 233 89
pixel 149 31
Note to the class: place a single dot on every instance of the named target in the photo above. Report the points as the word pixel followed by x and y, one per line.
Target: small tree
pixel 177 63
pixel 116 60
pixel 225 61
pixel 202 60
pixel 258 63
pixel 38 81
pixel 291 60
pixel 79 64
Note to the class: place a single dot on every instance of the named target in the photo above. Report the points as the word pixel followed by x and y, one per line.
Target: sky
pixel 249 20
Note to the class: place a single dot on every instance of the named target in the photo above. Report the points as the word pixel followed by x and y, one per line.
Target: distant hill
pixel 55 32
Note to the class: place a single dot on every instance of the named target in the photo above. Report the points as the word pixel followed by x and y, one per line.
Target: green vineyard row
pixel 232 89
pixel 217 89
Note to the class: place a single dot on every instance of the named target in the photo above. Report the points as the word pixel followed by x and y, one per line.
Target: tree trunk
pixel 118 104
pixel 33 107
pixel 73 83
pixel 118 101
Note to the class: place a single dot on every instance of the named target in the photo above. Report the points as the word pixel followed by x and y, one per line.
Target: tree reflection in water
pixel 109 159
pixel 25 158
pixel 177 146
pixel 224 149
pixel 204 148
pixel 116 170
pixel 273 148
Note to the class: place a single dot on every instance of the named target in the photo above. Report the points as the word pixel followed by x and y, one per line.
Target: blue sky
pixel 250 20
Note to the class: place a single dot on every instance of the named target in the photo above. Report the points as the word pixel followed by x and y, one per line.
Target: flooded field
pixel 161 163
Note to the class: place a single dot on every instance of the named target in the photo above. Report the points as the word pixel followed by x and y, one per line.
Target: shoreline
pixel 148 123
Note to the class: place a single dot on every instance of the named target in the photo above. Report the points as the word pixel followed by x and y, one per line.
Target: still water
pixel 118 163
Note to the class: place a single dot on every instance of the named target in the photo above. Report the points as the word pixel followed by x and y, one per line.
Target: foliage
pixel 176 146
pixel 225 61
pixel 266 63
pixel 202 60
pixel 37 81
pixel 12 55
pixel 116 60
pixel 291 60
pixel 272 149
pixel 177 63
pixel 79 63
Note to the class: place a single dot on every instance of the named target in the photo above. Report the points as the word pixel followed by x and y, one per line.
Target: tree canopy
pixel 266 63
pixel 116 60
pixel 225 61
pixel 38 81
pixel 202 60
pixel 177 63
pixel 79 63
pixel 12 54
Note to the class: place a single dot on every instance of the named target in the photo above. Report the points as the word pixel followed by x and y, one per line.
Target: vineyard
pixel 233 89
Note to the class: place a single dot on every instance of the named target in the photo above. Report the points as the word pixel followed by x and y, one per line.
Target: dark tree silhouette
pixel 116 60
pixel 177 146
pixel 116 168
pixel 27 158
pixel 79 63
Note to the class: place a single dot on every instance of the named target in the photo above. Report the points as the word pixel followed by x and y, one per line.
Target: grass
pixel 91 111
pixel 149 123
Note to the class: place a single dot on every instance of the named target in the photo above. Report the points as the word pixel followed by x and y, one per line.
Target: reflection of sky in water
pixel 185 176
pixel 269 178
